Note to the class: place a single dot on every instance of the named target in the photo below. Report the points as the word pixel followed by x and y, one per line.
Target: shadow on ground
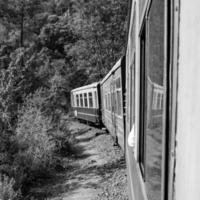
pixel 75 175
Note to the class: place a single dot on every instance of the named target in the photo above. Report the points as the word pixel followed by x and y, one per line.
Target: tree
pixel 52 46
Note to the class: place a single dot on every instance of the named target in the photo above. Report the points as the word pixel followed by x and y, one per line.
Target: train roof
pixel 92 85
pixel 115 67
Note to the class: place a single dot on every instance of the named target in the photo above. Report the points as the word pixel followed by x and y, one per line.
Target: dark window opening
pixel 85 100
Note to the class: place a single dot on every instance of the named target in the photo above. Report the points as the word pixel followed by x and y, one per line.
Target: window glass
pixel 118 83
pixel 96 100
pixel 119 102
pixel 105 101
pixel 81 100
pixel 152 94
pixel 85 100
pixel 77 100
pixel 118 96
pixel 112 102
pixel 116 103
pixel 90 100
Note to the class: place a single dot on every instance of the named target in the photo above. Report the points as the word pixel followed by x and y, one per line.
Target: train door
pixel 113 109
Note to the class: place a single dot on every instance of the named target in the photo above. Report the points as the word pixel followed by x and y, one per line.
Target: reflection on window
pixel 153 93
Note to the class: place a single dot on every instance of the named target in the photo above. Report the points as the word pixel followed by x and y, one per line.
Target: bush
pixel 40 140
pixel 35 146
pixel 6 189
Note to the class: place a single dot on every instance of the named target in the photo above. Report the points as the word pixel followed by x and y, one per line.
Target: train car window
pixel 112 102
pixel 152 90
pixel 81 100
pixel 105 101
pixel 118 96
pixel 142 106
pixel 77 100
pixel 96 99
pixel 109 102
pixel 90 100
pixel 118 83
pixel 85 100
pixel 116 103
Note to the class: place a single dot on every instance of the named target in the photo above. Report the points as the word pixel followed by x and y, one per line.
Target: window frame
pixel 142 139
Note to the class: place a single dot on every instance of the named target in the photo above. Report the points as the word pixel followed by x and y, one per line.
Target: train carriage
pixel 112 95
pixel 85 102
pixel 150 100
pixel 163 110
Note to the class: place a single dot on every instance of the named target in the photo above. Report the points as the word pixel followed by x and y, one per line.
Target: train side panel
pixel 86 103
pixel 106 106
pixel 88 114
pixel 112 104
pixel 187 149
pixel 146 94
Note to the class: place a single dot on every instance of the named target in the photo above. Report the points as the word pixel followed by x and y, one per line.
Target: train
pixel 86 103
pixel 149 101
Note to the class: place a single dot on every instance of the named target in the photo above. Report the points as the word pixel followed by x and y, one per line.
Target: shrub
pixel 41 141
pixel 35 146
pixel 6 189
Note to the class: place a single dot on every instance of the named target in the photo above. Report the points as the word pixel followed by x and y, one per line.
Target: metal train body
pixel 163 110
pixel 86 102
pixel 160 100
pixel 112 98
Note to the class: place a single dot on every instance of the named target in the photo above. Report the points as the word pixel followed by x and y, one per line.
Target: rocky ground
pixel 97 172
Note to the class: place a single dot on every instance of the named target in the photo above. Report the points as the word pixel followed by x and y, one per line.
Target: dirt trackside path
pixel 98 173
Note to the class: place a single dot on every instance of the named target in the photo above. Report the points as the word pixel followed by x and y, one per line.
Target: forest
pixel 47 48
